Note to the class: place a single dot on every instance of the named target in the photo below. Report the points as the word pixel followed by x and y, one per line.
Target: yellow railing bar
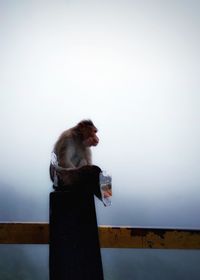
pixel 110 237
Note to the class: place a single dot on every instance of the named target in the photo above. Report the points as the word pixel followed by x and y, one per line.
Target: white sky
pixel 130 66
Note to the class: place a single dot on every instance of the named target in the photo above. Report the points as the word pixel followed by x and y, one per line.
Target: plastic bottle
pixel 105 181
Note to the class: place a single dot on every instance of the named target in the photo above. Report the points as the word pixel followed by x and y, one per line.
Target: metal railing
pixel 110 237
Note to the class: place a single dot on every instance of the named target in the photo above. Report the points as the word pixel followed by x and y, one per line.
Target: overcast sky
pixel 130 66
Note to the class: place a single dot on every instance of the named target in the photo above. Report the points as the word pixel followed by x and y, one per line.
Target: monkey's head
pixel 88 131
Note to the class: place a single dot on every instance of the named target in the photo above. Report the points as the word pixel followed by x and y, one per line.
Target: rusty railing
pixel 110 237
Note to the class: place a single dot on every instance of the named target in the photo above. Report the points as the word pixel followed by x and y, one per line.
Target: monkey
pixel 73 146
pixel 71 164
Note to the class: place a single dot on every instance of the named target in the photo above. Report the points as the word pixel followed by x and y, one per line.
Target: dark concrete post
pixel 74 244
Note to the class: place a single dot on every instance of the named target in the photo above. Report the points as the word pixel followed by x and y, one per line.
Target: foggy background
pixel 133 68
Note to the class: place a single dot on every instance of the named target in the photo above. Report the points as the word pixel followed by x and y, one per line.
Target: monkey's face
pixel 91 139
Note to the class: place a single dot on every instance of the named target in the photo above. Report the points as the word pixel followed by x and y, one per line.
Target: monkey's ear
pixel 81 125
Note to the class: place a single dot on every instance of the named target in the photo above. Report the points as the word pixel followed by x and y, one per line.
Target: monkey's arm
pixel 87 160
pixel 69 156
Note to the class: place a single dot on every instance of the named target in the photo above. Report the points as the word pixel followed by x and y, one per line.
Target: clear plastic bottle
pixel 105 181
